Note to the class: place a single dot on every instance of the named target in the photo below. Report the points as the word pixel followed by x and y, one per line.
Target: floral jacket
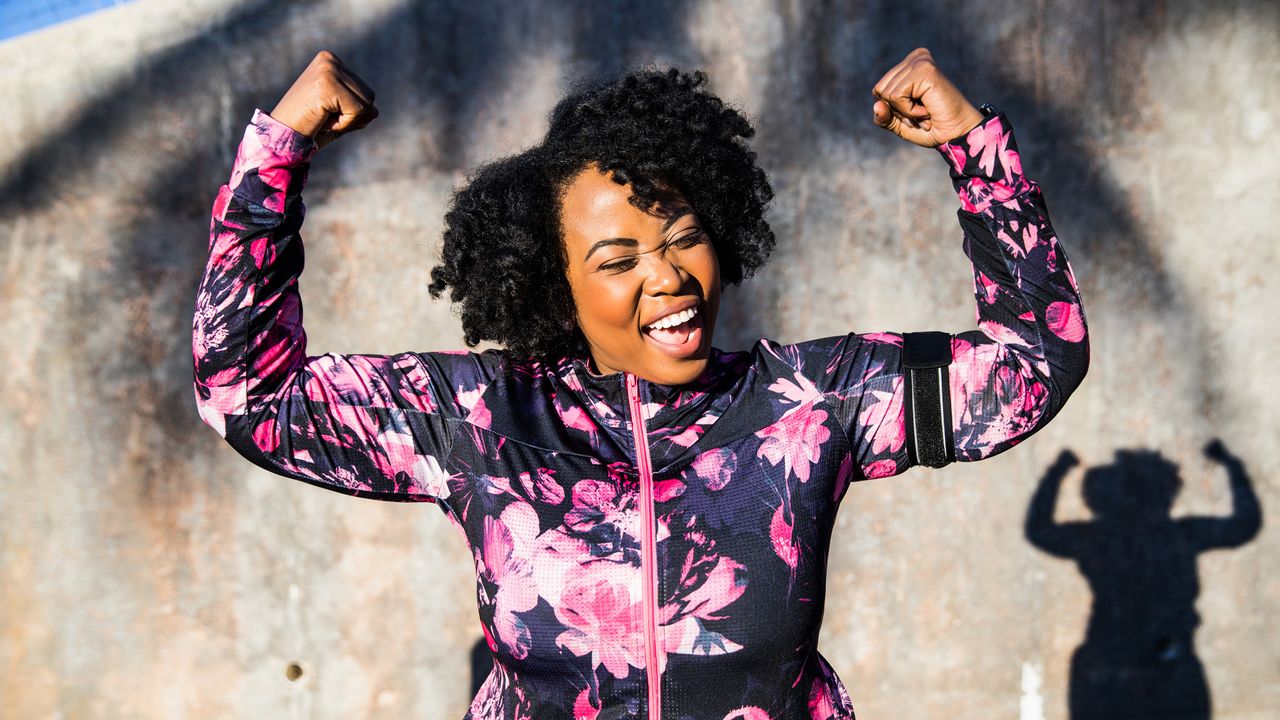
pixel 640 550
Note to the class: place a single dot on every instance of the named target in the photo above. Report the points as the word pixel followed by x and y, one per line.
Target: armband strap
pixel 927 398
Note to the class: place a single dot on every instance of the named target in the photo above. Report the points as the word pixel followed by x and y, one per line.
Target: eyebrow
pixel 632 242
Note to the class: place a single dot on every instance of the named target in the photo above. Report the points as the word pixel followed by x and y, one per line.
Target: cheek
pixel 705 266
pixel 605 304
pixel 708 274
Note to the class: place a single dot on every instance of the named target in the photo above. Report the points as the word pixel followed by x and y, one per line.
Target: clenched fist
pixel 916 102
pixel 326 101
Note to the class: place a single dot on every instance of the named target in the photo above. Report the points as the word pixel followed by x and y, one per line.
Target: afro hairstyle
pixel 503 258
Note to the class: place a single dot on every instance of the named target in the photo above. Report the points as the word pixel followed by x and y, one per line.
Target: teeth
pixel 672 320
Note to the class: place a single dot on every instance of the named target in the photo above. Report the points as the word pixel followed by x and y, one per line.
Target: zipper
pixel 648 553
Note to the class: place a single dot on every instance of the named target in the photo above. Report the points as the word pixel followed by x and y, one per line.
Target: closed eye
pixel 683 242
pixel 688 241
pixel 619 265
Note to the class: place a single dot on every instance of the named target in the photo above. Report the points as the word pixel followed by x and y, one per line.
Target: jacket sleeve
pixel 1030 350
pixel 368 425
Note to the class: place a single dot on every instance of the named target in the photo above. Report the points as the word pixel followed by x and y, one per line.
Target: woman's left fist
pixel 916 102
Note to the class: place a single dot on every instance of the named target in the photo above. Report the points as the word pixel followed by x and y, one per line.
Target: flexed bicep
pixel 1042 530
pixel 1014 373
pixel 1245 520
pixel 903 398
pixel 370 425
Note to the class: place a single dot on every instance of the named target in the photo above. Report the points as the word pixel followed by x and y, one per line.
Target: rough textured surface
pixel 150 572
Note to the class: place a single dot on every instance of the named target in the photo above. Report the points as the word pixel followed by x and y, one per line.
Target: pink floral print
pixel 537 463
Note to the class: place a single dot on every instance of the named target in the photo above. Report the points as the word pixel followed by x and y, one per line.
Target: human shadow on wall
pixel 1138 657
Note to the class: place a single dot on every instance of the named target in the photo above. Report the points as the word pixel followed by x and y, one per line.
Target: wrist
pixel 281 137
pixel 973 117
pixel 298 122
pixel 985 164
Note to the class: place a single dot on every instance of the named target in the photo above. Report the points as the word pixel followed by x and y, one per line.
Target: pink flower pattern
pixel 601 614
pixel 535 462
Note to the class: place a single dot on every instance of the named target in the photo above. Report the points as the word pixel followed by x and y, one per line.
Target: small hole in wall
pixel 293 672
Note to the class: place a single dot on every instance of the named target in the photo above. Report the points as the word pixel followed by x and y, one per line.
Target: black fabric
pixel 926 349
pixel 925 357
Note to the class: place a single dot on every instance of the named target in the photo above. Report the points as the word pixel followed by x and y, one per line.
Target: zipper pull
pixel 633 390
pixel 637 406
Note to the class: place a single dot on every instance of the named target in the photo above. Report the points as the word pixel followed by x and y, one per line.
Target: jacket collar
pixel 612 388
pixel 563 406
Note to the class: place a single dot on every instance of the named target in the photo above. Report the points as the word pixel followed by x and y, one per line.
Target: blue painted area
pixel 22 16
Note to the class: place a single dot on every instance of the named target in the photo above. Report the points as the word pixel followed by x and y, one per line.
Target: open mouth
pixel 679 335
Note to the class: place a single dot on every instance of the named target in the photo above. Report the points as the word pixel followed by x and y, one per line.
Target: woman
pixel 649 515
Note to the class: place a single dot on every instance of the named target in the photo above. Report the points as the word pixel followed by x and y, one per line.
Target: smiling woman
pixel 642 198
pixel 647 296
pixel 649 515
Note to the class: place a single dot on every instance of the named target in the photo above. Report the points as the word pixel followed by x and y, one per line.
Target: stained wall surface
pixel 147 571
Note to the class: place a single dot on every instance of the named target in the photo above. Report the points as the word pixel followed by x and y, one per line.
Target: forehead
pixel 594 207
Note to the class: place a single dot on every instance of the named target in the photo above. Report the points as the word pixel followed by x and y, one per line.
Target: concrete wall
pixel 150 572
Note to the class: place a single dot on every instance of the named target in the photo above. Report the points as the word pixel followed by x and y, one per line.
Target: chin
pixel 680 373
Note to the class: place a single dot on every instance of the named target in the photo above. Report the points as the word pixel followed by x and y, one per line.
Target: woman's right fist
pixel 326 101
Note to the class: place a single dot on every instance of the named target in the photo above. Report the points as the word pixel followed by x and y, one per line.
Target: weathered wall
pixel 150 572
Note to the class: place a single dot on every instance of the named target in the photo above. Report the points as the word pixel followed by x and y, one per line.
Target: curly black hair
pixel 503 256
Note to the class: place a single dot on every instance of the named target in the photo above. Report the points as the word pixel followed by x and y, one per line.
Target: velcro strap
pixel 930 438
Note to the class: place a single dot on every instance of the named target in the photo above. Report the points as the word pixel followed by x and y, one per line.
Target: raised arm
pixel 1031 351
pixel 1059 539
pixel 1245 520
pixel 368 425
pixel 1013 373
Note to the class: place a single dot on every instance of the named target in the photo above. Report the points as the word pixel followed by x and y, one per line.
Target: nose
pixel 665 277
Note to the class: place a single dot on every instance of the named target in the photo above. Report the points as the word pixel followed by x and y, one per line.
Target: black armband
pixel 927 398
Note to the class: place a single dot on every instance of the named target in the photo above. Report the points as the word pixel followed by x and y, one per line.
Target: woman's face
pixel 629 269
